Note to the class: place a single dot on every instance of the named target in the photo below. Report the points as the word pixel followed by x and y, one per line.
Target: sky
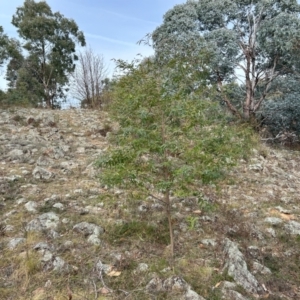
pixel 112 28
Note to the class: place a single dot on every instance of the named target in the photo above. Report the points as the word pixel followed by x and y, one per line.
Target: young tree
pixel 258 38
pixel 170 140
pixel 88 79
pixel 50 41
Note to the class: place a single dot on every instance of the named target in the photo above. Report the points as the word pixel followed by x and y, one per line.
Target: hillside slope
pixel 63 235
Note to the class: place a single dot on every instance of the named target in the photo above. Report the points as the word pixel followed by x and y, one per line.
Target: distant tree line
pixel 41 62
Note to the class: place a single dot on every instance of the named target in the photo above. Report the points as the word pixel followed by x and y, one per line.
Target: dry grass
pixel 236 209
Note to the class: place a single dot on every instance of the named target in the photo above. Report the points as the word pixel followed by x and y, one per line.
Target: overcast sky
pixel 111 27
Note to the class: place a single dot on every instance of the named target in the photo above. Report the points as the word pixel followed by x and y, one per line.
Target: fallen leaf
pixel 114 274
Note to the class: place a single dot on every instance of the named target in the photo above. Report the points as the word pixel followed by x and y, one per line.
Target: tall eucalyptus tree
pixel 50 40
pixel 256 38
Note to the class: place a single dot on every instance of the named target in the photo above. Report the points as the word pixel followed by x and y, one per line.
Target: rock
pixel 31 206
pixel 256 167
pixel 259 268
pixel 45 221
pixel 273 220
pixel 13 243
pixel 88 228
pixel 102 268
pixel 228 291
pixel 93 239
pixel 209 242
pixel 253 251
pixel 283 210
pixel 173 284
pixel 155 285
pixel 58 206
pixel 16 154
pixel 41 173
pixel 42 246
pixel 237 268
pixel 141 268
pixel 58 264
pixel 293 227
pixel 192 295
pixel 52 262
pixel 271 231
pixel 80 150
pixel 44 161
pixel 142 208
pixel 232 295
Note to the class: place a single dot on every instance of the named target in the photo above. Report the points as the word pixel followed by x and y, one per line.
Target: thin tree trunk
pixel 169 216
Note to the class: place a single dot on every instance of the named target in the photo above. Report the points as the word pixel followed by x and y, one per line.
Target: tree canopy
pixel 170 140
pixel 50 40
pixel 256 38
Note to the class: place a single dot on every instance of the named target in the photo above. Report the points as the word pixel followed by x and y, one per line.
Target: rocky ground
pixel 63 235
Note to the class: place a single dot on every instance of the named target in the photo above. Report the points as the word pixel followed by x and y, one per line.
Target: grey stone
pixel 45 221
pixel 155 285
pixel 175 283
pixel 293 227
pixel 273 220
pixel 192 295
pixel 88 228
pixel 31 206
pixel 9 228
pixel 58 264
pixel 44 161
pixel 283 210
pixel 93 239
pixel 259 268
pixel 209 242
pixel 236 267
pixel 58 206
pixel 142 267
pixel 16 154
pixel 13 243
pixel 102 268
pixel 41 173
pixel 271 231
pixel 42 246
pixel 256 167
pixel 253 251
pixel 232 295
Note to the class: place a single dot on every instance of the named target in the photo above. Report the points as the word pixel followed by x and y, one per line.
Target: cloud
pixel 115 41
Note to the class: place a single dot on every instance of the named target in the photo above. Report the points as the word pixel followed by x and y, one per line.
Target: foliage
pixel 50 40
pixel 259 39
pixel 280 113
pixel 8 47
pixel 3 46
pixel 170 139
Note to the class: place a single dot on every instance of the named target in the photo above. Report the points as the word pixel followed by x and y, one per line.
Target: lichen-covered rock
pixel 41 173
pixel 88 228
pixel 236 267
pixel 173 285
pixel 293 227
pixel 31 206
pixel 45 221
pixel 13 243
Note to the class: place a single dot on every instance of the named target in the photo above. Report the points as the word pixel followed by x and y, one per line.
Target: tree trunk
pixel 169 216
